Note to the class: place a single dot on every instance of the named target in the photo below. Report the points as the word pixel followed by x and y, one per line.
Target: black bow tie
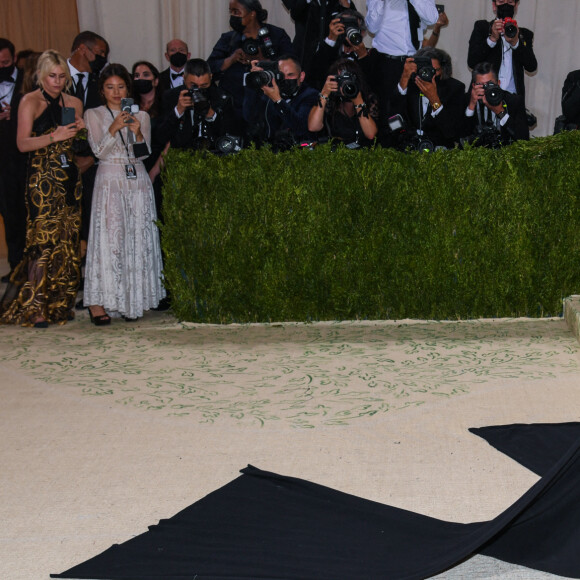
pixel 7 80
pixel 176 75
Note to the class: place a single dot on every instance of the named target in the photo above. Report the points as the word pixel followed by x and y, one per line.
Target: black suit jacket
pixel 516 127
pixel 165 80
pixel 571 98
pixel 183 132
pixel 523 57
pixel 444 128
pixel 310 31
pixel 93 98
pixel 8 127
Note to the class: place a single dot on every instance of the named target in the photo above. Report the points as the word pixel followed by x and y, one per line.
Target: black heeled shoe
pixel 100 319
pixel 127 319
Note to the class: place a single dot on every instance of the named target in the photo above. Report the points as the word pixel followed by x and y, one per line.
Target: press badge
pixel 64 161
pixel 130 171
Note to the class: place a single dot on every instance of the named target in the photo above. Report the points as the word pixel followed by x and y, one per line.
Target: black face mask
pixel 505 11
pixel 178 59
pixel 98 64
pixel 143 86
pixel 236 24
pixel 288 88
pixel 6 73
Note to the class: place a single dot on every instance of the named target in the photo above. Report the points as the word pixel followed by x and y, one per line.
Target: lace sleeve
pixel 100 140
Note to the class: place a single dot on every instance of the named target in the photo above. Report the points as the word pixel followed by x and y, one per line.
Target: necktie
pixel 176 75
pixel 79 89
pixel 414 23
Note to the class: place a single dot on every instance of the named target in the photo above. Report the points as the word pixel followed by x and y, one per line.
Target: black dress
pixel 45 283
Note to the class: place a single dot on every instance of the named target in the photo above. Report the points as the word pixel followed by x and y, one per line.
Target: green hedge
pixel 373 234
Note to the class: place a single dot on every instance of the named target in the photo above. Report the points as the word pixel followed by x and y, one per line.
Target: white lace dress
pixel 123 266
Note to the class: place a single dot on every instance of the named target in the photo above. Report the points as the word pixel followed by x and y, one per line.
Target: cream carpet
pixel 104 431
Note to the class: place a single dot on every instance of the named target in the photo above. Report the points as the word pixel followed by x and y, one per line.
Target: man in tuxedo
pixel 12 162
pixel 432 108
pixel 510 50
pixel 277 112
pixel 497 123
pixel 89 53
pixel 196 114
pixel 398 27
pixel 177 54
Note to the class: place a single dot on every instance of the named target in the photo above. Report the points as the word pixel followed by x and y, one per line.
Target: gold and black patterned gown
pixel 45 283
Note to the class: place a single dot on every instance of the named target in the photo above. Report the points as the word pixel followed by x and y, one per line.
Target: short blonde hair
pixel 47 61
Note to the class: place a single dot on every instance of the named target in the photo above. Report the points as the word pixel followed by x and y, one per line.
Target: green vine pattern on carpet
pixel 303 375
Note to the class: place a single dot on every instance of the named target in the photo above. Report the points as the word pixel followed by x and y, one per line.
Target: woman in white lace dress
pixel 123 267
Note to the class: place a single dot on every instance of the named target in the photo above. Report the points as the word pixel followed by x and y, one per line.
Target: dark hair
pixel 440 55
pixel 5 43
pixel 89 39
pixel 483 68
pixel 114 70
pixel 155 109
pixel 255 6
pixel 291 57
pixel 196 67
pixel 345 64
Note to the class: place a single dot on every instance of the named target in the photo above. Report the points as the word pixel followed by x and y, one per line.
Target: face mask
pixel 236 24
pixel 143 86
pixel 98 64
pixel 178 59
pixel 505 11
pixel 6 73
pixel 288 88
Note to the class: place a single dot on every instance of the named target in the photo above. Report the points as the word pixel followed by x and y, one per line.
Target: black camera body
pixel 251 46
pixel 352 31
pixel 425 70
pixel 261 78
pixel 201 103
pixel 494 94
pixel 228 144
pixel 485 136
pixel 348 84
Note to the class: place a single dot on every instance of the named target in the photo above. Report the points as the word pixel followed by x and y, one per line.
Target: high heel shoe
pixel 100 319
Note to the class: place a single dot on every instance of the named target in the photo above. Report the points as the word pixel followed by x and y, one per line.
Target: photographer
pixel 346 109
pixel 505 45
pixel 197 113
pixel 250 39
pixel 493 117
pixel 277 103
pixel 571 99
pixel 430 101
pixel 311 19
pixel 346 33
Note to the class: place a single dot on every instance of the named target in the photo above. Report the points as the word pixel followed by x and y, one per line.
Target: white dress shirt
pixel 7 89
pixel 506 70
pixel 388 20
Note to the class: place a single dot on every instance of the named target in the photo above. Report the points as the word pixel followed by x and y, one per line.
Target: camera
pixel 251 46
pixel 348 85
pixel 506 13
pixel 425 70
pixel 494 95
pixel 261 78
pixel 228 144
pixel 484 136
pixel 352 31
pixel 201 103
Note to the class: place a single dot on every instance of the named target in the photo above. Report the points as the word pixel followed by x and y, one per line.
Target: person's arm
pixel 434 38
pixel 374 17
pixel 367 123
pixel 426 10
pixel 24 139
pixel 316 116
pixel 101 135
pixel 294 115
pixel 479 49
pixel 571 97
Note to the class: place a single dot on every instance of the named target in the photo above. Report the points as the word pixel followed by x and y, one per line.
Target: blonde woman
pixel 43 287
